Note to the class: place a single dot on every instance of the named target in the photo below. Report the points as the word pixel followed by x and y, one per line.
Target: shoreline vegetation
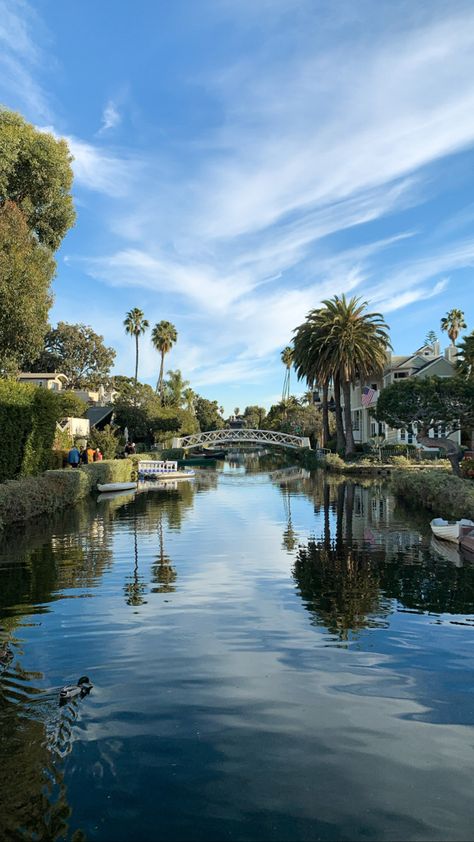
pixel 426 486
pixel 33 496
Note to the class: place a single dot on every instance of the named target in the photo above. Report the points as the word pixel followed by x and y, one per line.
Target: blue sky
pixel 238 160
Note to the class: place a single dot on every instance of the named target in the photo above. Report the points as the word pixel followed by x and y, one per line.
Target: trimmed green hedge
pixel 28 418
pixel 27 497
pixel 436 490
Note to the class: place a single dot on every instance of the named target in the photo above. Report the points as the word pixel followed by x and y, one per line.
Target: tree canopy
pixel 78 352
pixel 430 403
pixel 36 174
pixel 26 271
pixel 207 414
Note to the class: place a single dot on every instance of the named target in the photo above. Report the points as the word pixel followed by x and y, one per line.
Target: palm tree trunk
pixel 136 358
pixel 340 437
pixel 159 387
pixel 326 433
pixel 350 445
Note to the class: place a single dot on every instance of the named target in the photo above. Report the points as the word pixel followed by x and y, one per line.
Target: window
pixel 403 434
pixel 374 386
pixel 399 374
pixel 373 428
pixel 356 420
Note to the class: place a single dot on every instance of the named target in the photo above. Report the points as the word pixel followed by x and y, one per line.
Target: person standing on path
pixel 73 457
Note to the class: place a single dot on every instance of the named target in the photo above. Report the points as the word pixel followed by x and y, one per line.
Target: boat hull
pixel 109 487
pixel 449 531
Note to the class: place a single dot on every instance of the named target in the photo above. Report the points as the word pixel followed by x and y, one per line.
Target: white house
pixel 425 362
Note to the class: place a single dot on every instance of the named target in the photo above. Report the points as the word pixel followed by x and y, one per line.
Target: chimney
pixel 436 348
pixel 451 353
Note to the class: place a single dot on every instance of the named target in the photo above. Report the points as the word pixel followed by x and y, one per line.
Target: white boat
pixel 116 486
pixel 449 530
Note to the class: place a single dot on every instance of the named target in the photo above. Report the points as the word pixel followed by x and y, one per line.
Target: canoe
pixel 116 486
pixel 449 531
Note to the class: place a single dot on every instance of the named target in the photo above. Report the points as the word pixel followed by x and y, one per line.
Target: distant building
pixel 425 362
pixel 47 380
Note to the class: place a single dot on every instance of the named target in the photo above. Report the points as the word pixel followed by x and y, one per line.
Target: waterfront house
pixel 427 361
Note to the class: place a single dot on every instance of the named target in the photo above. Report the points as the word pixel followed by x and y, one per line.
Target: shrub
pixel 400 461
pixel 172 453
pixel 109 470
pixel 28 418
pixel 28 497
pixel 333 462
pixel 437 490
pixel 467 467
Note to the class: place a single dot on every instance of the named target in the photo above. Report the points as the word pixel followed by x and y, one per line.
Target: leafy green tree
pixel 79 353
pixel 349 344
pixel 254 416
pixel 287 360
pixel 26 271
pixel 290 417
pixel 36 174
pixel 163 336
pixel 136 405
pixel 174 388
pixel 431 403
pixel 135 325
pixel 453 323
pixel 208 415
pixel 106 439
pixel 71 406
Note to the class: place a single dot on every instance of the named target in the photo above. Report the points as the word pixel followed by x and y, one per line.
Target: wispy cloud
pixel 21 58
pixel 111 117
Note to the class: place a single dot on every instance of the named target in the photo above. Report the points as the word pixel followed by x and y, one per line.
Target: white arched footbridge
pixel 218 438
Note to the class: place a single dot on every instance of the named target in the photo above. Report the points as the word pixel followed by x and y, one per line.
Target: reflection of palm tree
pixel 340 587
pixel 135 589
pixel 290 538
pixel 164 574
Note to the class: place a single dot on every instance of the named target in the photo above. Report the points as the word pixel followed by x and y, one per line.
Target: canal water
pixel 275 656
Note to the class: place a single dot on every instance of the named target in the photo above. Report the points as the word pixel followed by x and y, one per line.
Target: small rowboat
pixel 449 531
pixel 117 486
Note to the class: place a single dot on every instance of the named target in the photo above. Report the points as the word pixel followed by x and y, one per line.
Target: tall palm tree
pixel 189 396
pixel 348 344
pixel 465 361
pixel 287 360
pixel 314 368
pixel 135 324
pixel 453 323
pixel 174 388
pixel 163 337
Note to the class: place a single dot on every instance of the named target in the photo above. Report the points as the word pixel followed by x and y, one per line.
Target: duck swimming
pixel 81 689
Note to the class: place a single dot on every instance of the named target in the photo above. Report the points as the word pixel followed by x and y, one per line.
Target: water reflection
pixel 274 655
pixel 354 577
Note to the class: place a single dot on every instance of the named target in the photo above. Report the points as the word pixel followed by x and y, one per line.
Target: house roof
pixel 96 414
pixel 41 375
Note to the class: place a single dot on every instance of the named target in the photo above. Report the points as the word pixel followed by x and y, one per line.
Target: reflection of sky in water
pixel 222 706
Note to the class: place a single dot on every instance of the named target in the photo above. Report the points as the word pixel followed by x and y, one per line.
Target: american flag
pixel 368 396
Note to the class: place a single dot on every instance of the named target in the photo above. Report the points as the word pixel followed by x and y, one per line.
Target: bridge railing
pixel 239 436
